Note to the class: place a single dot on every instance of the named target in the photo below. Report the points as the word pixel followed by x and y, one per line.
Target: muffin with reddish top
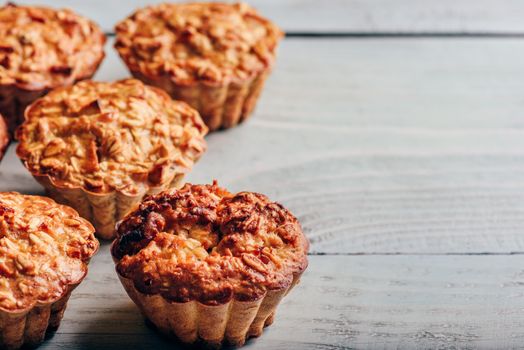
pixel 41 49
pixel 44 251
pixel 214 56
pixel 207 265
pixel 101 147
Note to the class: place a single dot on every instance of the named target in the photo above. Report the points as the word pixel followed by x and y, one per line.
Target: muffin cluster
pixel 204 265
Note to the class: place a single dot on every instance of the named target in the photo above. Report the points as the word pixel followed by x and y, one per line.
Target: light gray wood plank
pixel 342 302
pixel 342 16
pixel 404 86
pixel 422 152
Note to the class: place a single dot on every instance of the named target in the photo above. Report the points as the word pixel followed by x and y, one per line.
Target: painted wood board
pixel 347 16
pixel 419 153
pixel 381 146
pixel 342 302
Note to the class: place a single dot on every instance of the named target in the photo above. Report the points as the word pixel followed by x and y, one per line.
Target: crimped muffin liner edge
pixel 103 210
pixel 28 327
pixel 229 323
pixel 221 106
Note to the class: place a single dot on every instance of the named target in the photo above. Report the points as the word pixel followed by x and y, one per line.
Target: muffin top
pixel 43 48
pixel 122 136
pixel 198 42
pixel 44 247
pixel 203 243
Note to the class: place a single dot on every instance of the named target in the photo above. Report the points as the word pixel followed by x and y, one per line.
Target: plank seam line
pixel 400 34
pixel 394 35
pixel 414 253
pixel 146 334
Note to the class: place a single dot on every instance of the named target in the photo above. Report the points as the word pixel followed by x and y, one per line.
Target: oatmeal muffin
pixel 40 49
pixel 44 251
pixel 214 56
pixel 206 265
pixel 4 137
pixel 100 147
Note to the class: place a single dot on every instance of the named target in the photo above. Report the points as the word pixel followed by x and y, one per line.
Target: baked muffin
pixel 214 56
pixel 206 265
pixel 44 251
pixel 4 137
pixel 100 147
pixel 40 49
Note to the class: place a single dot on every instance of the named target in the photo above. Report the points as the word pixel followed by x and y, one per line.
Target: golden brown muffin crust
pixel 206 42
pixel 204 243
pixel 120 136
pixel 44 247
pixel 43 48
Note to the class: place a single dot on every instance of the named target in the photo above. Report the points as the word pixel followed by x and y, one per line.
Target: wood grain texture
pixel 348 16
pixel 397 86
pixel 419 153
pixel 379 146
pixel 361 302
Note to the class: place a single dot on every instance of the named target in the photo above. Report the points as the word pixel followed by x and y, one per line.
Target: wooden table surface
pixel 394 130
